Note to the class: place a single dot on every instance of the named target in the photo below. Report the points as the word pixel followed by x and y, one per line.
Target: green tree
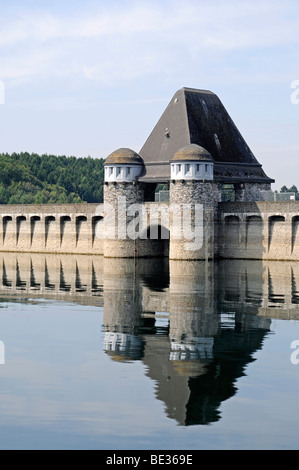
pixel 31 178
pixel 293 189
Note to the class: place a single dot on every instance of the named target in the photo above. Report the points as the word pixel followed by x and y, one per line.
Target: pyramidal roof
pixel 198 117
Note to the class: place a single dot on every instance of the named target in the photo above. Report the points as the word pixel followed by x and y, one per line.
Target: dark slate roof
pixel 198 117
pixel 124 155
pixel 192 152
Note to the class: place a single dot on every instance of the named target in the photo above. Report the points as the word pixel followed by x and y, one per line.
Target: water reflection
pixel 73 278
pixel 195 325
pixel 197 351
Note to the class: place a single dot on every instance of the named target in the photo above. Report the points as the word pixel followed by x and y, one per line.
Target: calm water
pixel 112 354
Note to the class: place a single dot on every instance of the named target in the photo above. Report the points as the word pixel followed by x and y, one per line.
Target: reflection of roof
pixel 192 152
pixel 124 155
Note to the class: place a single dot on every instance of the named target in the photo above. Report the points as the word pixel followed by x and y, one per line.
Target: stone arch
pixel 5 223
pixel 50 232
pixel 97 227
pixel 64 220
pixel 295 225
pixel 20 219
pixel 276 226
pixel 154 241
pixel 33 229
pixel 80 220
pixel 254 232
pixel 157 232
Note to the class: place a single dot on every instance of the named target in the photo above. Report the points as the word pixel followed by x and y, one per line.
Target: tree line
pixel 44 179
pixel 292 189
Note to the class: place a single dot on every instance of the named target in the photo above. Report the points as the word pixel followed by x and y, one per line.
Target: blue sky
pixel 87 77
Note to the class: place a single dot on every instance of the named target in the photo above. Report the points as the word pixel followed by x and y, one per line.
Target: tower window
pixel 117 170
pixel 187 167
pixel 110 171
pixel 197 167
pixel 128 171
pixel 206 168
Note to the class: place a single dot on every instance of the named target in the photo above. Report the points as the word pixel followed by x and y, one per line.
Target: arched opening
pixel 33 227
pixel 64 220
pixel 80 220
pixel 276 231
pixel 157 241
pixel 21 220
pixel 295 225
pixel 50 231
pixel 97 226
pixel 157 232
pixel 6 221
pixel 254 233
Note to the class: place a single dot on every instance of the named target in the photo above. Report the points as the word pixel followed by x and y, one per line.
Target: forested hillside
pixel 41 179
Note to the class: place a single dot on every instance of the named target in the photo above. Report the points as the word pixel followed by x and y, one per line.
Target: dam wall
pixel 258 230
pixel 51 228
pixel 80 229
pixel 243 230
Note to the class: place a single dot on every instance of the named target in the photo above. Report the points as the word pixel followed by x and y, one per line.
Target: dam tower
pixel 194 198
pixel 198 152
pixel 122 190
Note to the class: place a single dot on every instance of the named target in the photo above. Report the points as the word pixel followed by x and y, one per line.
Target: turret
pixel 194 198
pixel 192 162
pixel 123 167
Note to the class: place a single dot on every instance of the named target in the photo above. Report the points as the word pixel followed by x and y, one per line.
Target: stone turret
pixel 194 198
pixel 193 162
pixel 123 167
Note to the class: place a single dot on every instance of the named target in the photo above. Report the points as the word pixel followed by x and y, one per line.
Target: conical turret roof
pixel 192 152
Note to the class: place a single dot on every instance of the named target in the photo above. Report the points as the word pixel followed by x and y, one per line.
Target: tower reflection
pixel 195 337
pixel 195 325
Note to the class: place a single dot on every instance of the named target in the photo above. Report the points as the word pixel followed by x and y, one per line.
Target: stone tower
pixel 197 150
pixel 194 198
pixel 121 190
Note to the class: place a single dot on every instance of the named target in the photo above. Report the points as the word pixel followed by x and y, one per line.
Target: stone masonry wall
pixel 251 192
pixel 259 230
pixel 198 195
pixel 52 228
pixel 245 230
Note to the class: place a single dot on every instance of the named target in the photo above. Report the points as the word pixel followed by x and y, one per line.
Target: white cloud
pixel 139 38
